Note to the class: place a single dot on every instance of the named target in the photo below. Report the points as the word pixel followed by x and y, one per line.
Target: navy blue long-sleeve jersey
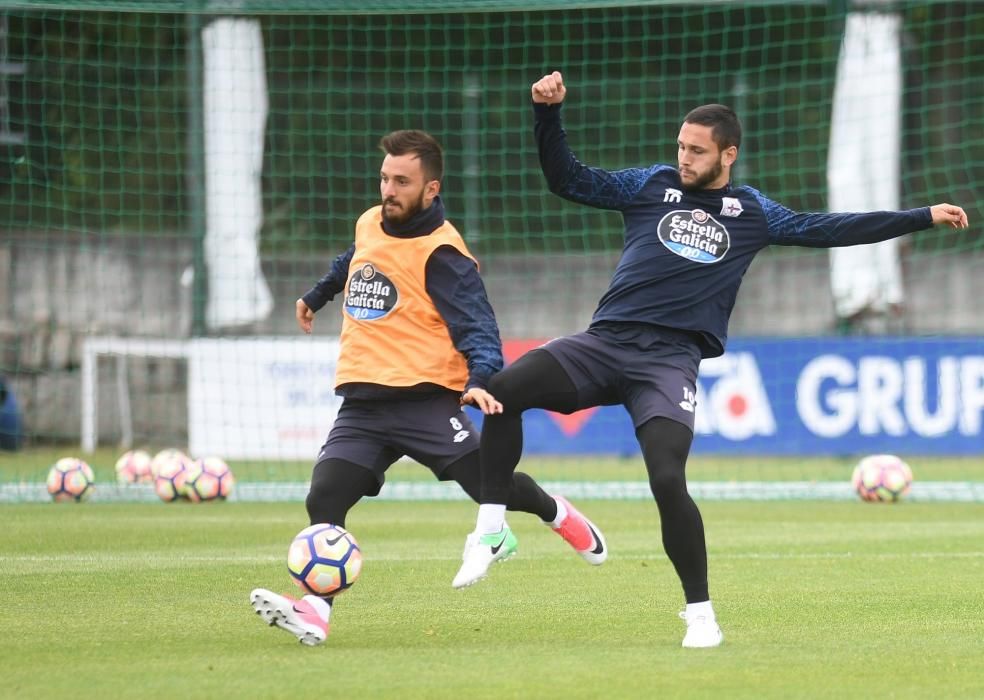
pixel 455 287
pixel 686 251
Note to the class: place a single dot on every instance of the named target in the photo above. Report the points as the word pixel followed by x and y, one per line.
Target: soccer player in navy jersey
pixel 690 235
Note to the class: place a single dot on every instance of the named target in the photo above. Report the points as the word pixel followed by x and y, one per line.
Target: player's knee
pixel 336 486
pixel 503 388
pixel 667 475
pixel 322 479
pixel 322 509
pixel 667 484
pixel 515 391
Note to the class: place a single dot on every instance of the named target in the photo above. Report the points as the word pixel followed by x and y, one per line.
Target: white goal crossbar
pixel 121 348
pixel 278 388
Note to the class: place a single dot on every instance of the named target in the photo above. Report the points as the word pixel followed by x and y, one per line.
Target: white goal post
pixel 121 348
pixel 248 398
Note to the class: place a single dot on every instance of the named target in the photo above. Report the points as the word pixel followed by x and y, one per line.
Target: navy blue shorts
pixel 432 430
pixel 651 370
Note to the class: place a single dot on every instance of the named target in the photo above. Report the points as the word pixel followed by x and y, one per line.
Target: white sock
pixel 320 605
pixel 561 513
pixel 698 609
pixel 491 518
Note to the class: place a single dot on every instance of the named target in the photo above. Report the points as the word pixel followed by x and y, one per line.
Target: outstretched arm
pixel 818 230
pixel 323 291
pixel 566 175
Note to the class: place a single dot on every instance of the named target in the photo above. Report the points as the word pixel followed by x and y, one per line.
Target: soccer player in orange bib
pixel 419 339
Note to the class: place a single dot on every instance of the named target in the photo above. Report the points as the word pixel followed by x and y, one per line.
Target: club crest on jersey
pixel 369 294
pixel 731 206
pixel 695 235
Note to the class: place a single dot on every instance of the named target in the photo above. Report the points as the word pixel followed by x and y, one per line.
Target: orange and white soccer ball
pixel 208 479
pixel 70 480
pixel 170 476
pixel 163 457
pixel 882 478
pixel 324 559
pixel 133 466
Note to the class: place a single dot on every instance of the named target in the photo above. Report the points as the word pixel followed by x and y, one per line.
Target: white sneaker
pixel 295 616
pixel 481 552
pixel 702 632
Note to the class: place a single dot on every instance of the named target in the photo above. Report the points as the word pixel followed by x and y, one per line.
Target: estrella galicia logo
pixel 370 294
pixel 695 235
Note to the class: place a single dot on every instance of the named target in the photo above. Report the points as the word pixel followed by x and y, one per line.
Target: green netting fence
pixel 104 210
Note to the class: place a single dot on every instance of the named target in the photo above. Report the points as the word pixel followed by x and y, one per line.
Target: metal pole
pixel 472 154
pixel 740 93
pixel 123 398
pixel 90 385
pixel 196 165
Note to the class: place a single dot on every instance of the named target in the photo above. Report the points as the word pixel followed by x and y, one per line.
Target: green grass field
pixel 817 600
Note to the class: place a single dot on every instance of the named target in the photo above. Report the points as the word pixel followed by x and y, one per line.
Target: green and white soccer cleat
pixel 481 552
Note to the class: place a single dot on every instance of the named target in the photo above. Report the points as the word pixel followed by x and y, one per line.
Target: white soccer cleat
pixel 702 632
pixel 295 616
pixel 481 552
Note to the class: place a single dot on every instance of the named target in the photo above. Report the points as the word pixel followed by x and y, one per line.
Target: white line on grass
pixel 294 492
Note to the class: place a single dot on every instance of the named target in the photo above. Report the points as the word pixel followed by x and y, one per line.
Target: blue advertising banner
pixel 806 396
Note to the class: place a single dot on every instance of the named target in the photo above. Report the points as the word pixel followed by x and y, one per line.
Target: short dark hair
pixel 420 143
pixel 725 127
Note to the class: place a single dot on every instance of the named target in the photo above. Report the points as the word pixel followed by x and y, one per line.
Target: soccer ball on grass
pixel 133 466
pixel 882 478
pixel 170 476
pixel 324 559
pixel 70 479
pixel 164 457
pixel 208 479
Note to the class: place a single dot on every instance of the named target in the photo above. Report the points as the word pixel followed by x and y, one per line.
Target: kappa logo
pixel 731 206
pixel 695 235
pixel 689 403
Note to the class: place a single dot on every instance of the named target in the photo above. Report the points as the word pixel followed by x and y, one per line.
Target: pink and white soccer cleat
pixel 582 534
pixel 295 616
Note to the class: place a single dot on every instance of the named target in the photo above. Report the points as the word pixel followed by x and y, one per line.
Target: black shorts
pixel 433 430
pixel 652 371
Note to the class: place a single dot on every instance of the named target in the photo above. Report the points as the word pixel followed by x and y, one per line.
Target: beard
pixel 706 177
pixel 404 215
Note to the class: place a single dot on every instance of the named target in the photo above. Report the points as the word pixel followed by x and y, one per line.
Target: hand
pixel 305 317
pixel 481 399
pixel 949 214
pixel 549 90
